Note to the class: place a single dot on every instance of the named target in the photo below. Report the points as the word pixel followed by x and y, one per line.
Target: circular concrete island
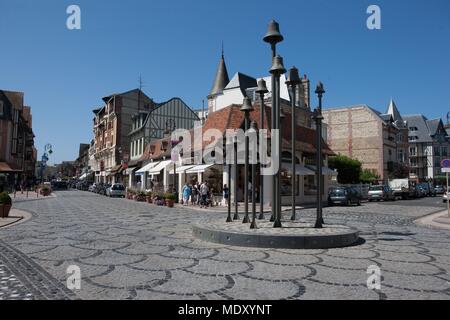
pixel 293 235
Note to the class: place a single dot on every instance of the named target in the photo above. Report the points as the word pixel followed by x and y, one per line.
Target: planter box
pixel 170 203
pixel 4 210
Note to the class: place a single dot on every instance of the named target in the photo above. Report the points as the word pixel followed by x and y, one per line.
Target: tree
pixel 349 170
pixel 368 176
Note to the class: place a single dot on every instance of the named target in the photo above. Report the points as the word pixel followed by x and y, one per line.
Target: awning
pixel 199 169
pixel 181 169
pixel 129 171
pixel 160 166
pixel 116 168
pixel 147 167
pixel 83 176
pixel 325 171
pixel 4 167
pixel 300 169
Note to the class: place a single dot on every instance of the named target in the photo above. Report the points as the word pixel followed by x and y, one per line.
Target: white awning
pixel 160 166
pixel 300 169
pixel 147 167
pixel 199 169
pixel 83 176
pixel 181 169
pixel 325 171
pixel 129 171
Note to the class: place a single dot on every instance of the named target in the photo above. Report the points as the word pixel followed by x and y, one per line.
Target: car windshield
pixel 118 187
pixel 337 191
pixel 376 188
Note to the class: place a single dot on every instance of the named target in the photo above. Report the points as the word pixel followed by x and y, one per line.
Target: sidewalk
pixel 15 217
pixel 439 220
pixel 224 209
pixel 31 196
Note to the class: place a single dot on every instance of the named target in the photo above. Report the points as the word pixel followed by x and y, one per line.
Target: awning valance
pixel 300 169
pixel 325 171
pixel 181 169
pixel 4 167
pixel 147 167
pixel 199 168
pixel 160 166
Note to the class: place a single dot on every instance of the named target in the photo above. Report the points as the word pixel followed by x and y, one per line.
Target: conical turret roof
pixel 393 111
pixel 221 80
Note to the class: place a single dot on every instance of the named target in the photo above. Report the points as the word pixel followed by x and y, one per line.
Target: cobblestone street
pixel 130 250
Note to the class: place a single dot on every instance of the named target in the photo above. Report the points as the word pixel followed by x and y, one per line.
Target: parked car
pixel 421 192
pixel 101 189
pixel 444 197
pixel 116 190
pixel 427 187
pixel 91 188
pixel 343 195
pixel 59 185
pixel 381 192
pixel 439 190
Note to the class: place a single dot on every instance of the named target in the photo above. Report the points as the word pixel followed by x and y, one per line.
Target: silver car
pixel 382 192
pixel 116 190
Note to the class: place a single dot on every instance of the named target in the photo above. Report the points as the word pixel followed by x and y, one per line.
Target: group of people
pixel 201 194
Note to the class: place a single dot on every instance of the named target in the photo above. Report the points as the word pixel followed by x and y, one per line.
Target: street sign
pixel 445 163
pixel 445 170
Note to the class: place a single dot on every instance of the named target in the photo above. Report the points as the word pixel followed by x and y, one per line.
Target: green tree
pixel 349 170
pixel 368 176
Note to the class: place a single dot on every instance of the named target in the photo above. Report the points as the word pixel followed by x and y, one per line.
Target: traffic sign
pixel 445 170
pixel 445 163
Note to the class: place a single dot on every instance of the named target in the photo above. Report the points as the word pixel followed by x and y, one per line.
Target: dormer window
pixel 413 129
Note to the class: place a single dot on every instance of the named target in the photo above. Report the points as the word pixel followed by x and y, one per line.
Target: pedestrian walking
pixel 186 194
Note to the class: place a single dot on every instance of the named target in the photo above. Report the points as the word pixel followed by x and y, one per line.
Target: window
pixel 413 151
pixel 1 108
pixel 412 128
pixel 413 138
pixel 444 151
pixel 413 162
pixel 437 151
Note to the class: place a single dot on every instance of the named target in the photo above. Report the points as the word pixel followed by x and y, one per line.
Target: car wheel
pixel 358 203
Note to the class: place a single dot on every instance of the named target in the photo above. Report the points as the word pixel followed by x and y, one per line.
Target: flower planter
pixel 149 199
pixel 4 210
pixel 170 203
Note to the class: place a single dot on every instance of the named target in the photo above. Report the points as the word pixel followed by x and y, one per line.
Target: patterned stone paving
pixel 130 250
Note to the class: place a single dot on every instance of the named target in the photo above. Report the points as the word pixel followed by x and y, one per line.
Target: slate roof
pixel 423 131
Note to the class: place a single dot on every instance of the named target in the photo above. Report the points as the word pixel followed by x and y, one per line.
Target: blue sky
pixel 175 46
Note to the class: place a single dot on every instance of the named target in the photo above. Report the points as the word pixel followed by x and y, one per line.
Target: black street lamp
pixel 273 36
pixel 246 108
pixel 261 90
pixel 228 163
pixel 293 81
pixel 236 212
pixel 254 129
pixel 318 119
pixel 277 70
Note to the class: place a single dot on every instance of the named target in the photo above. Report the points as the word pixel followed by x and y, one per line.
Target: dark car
pixel 101 189
pixel 344 195
pixel 59 185
pixel 429 190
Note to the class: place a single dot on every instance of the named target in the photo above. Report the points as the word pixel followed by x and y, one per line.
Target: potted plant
pixel 140 196
pixel 5 204
pixel 45 190
pixel 170 199
pixel 130 193
pixel 148 196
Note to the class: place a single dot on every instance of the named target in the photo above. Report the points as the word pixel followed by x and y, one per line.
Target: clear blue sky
pixel 175 46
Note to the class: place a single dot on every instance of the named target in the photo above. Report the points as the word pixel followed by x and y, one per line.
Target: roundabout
pixel 293 234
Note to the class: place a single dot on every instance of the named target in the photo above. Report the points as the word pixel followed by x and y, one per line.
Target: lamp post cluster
pixel 273 37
